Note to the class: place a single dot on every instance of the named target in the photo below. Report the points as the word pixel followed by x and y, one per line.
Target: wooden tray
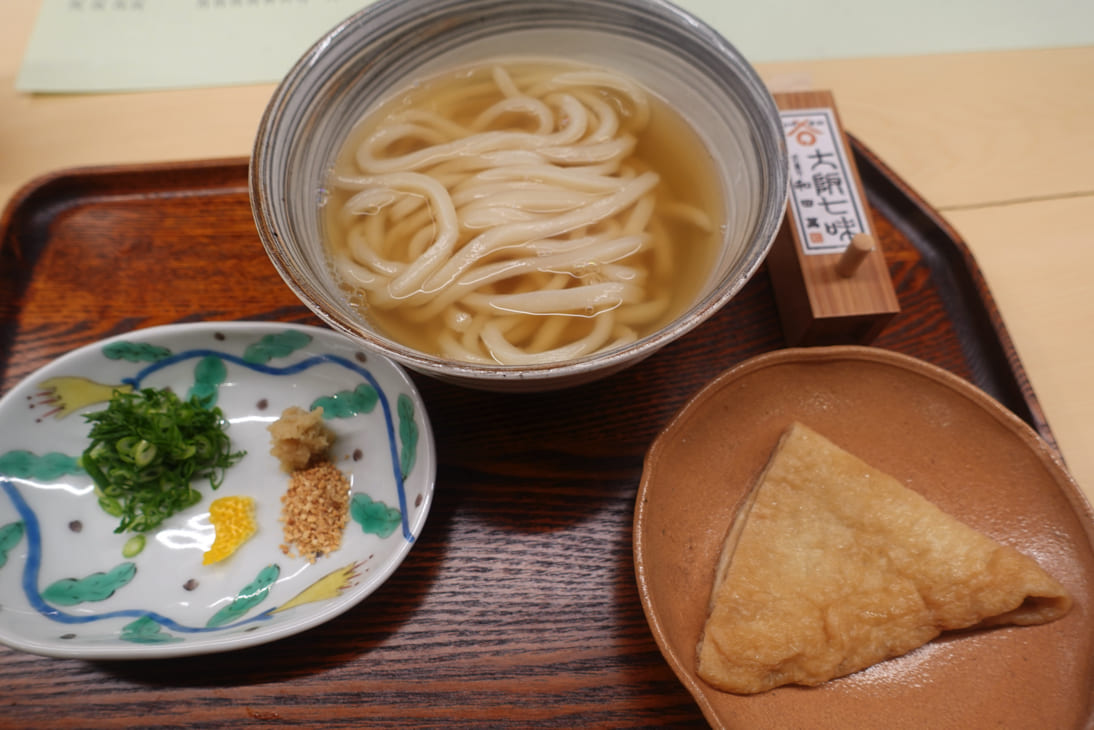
pixel 518 604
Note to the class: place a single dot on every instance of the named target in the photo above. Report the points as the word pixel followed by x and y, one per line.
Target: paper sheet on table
pixel 128 45
pixel 131 45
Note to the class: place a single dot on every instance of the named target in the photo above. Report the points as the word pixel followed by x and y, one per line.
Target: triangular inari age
pixel 832 566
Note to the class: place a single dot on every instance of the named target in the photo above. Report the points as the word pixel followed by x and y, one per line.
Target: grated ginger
pixel 299 438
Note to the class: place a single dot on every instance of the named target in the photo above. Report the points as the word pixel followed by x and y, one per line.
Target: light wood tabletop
pixel 997 142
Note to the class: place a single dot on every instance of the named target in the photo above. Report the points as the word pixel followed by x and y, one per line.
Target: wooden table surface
pixel 997 142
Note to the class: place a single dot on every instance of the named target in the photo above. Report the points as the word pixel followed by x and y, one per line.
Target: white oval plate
pixel 67 589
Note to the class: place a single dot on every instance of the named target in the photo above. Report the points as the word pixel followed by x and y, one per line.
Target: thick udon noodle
pixel 512 215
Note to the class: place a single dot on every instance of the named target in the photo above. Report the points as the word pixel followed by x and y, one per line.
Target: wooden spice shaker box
pixel 831 282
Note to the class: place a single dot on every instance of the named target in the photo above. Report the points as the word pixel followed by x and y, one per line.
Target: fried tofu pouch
pixel 832 566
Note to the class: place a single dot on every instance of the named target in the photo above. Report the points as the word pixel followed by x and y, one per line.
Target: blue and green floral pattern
pixel 91 593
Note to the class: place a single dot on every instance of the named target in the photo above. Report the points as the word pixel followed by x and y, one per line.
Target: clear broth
pixel 668 146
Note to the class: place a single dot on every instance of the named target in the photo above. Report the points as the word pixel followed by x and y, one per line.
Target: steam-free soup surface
pixel 523 211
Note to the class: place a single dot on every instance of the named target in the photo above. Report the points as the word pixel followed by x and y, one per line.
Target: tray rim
pixel 876 169
pixel 180 178
pixel 230 174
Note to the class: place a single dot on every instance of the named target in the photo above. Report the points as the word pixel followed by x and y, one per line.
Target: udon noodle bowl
pixel 522 211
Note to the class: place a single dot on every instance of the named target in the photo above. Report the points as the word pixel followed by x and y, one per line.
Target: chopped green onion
pixel 147 447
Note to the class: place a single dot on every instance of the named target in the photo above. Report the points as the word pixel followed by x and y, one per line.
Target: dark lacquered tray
pixel 518 604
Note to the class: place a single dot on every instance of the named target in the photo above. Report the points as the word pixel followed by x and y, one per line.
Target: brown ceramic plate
pixel 940 436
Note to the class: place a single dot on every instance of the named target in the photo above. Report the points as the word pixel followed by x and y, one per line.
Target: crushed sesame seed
pixel 315 510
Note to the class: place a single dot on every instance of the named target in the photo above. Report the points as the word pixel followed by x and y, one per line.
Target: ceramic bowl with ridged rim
pixel 358 64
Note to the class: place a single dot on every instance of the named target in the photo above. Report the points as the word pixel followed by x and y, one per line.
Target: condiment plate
pixel 71 587
pixel 940 436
